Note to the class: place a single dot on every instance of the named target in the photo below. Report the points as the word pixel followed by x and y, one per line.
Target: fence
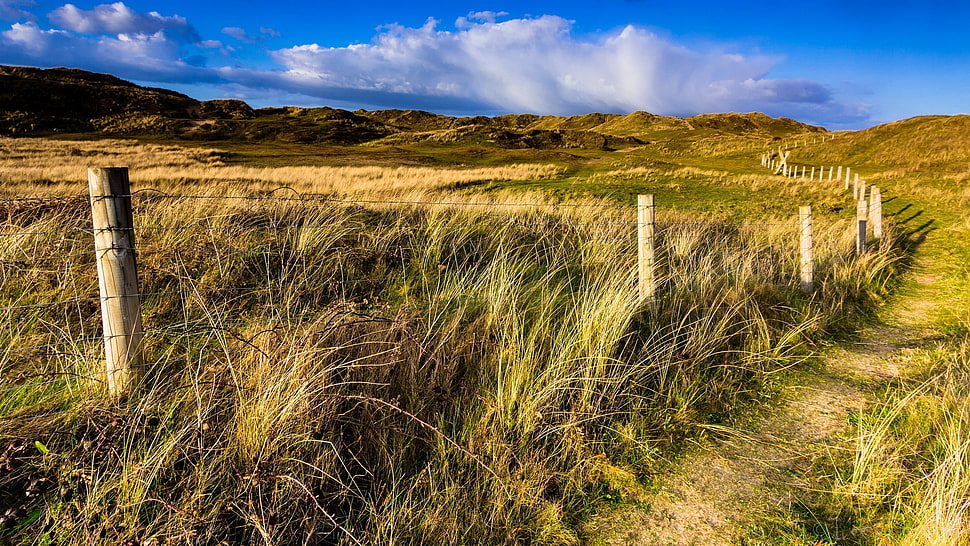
pixel 869 213
pixel 267 245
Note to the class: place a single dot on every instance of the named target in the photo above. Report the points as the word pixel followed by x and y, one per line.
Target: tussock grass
pixel 909 482
pixel 324 371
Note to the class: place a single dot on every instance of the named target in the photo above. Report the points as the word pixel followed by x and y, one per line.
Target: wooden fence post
pixel 838 175
pixel 847 177
pixel 646 251
pixel 812 178
pixel 830 173
pixel 862 212
pixel 807 261
pixel 114 245
pixel 875 212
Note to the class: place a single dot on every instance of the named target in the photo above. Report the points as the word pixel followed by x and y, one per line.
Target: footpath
pixel 730 488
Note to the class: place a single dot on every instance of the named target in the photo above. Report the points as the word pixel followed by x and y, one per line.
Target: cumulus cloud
pixel 118 18
pixel 539 65
pixel 148 57
pixel 482 65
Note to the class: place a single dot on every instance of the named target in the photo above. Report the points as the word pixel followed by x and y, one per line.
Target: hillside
pixel 396 326
pixel 37 102
pixel 916 144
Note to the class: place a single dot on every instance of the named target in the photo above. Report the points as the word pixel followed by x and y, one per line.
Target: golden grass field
pixel 356 370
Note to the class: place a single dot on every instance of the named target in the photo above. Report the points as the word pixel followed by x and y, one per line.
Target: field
pixel 422 343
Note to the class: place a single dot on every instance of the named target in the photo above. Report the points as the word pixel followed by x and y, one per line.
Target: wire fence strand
pixel 276 234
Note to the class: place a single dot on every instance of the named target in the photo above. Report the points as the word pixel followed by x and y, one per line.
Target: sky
pixel 840 64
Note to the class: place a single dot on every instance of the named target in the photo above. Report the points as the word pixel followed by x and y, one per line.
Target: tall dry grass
pixel 334 372
pixel 55 167
pixel 909 482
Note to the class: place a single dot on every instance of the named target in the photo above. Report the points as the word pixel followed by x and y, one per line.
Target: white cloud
pixel 28 38
pixel 118 18
pixel 149 57
pixel 538 65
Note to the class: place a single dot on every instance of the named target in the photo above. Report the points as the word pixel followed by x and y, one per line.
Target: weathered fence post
pixel 813 175
pixel 807 262
pixel 862 212
pixel 875 212
pixel 114 245
pixel 847 177
pixel 646 251
pixel 830 173
pixel 838 175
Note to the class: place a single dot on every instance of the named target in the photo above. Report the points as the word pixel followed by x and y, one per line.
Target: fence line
pixel 871 208
pixel 644 232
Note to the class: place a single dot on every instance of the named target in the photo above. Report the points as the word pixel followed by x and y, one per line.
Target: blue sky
pixel 844 65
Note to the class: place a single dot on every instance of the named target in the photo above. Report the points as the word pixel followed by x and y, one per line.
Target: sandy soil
pixel 717 492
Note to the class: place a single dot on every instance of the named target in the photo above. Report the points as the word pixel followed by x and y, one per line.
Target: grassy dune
pixel 907 482
pixel 393 373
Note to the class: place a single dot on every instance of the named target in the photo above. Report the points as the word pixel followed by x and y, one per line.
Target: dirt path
pixel 722 492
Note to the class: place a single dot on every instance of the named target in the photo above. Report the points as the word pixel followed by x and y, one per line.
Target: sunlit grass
pixel 378 373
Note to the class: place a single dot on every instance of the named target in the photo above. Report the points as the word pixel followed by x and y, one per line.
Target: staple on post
pixel 114 244
pixel 806 251
pixel 646 249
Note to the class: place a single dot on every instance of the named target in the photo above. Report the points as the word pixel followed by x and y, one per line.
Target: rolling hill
pixel 39 102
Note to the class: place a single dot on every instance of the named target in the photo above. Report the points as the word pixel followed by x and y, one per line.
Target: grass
pixel 905 481
pixel 390 373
